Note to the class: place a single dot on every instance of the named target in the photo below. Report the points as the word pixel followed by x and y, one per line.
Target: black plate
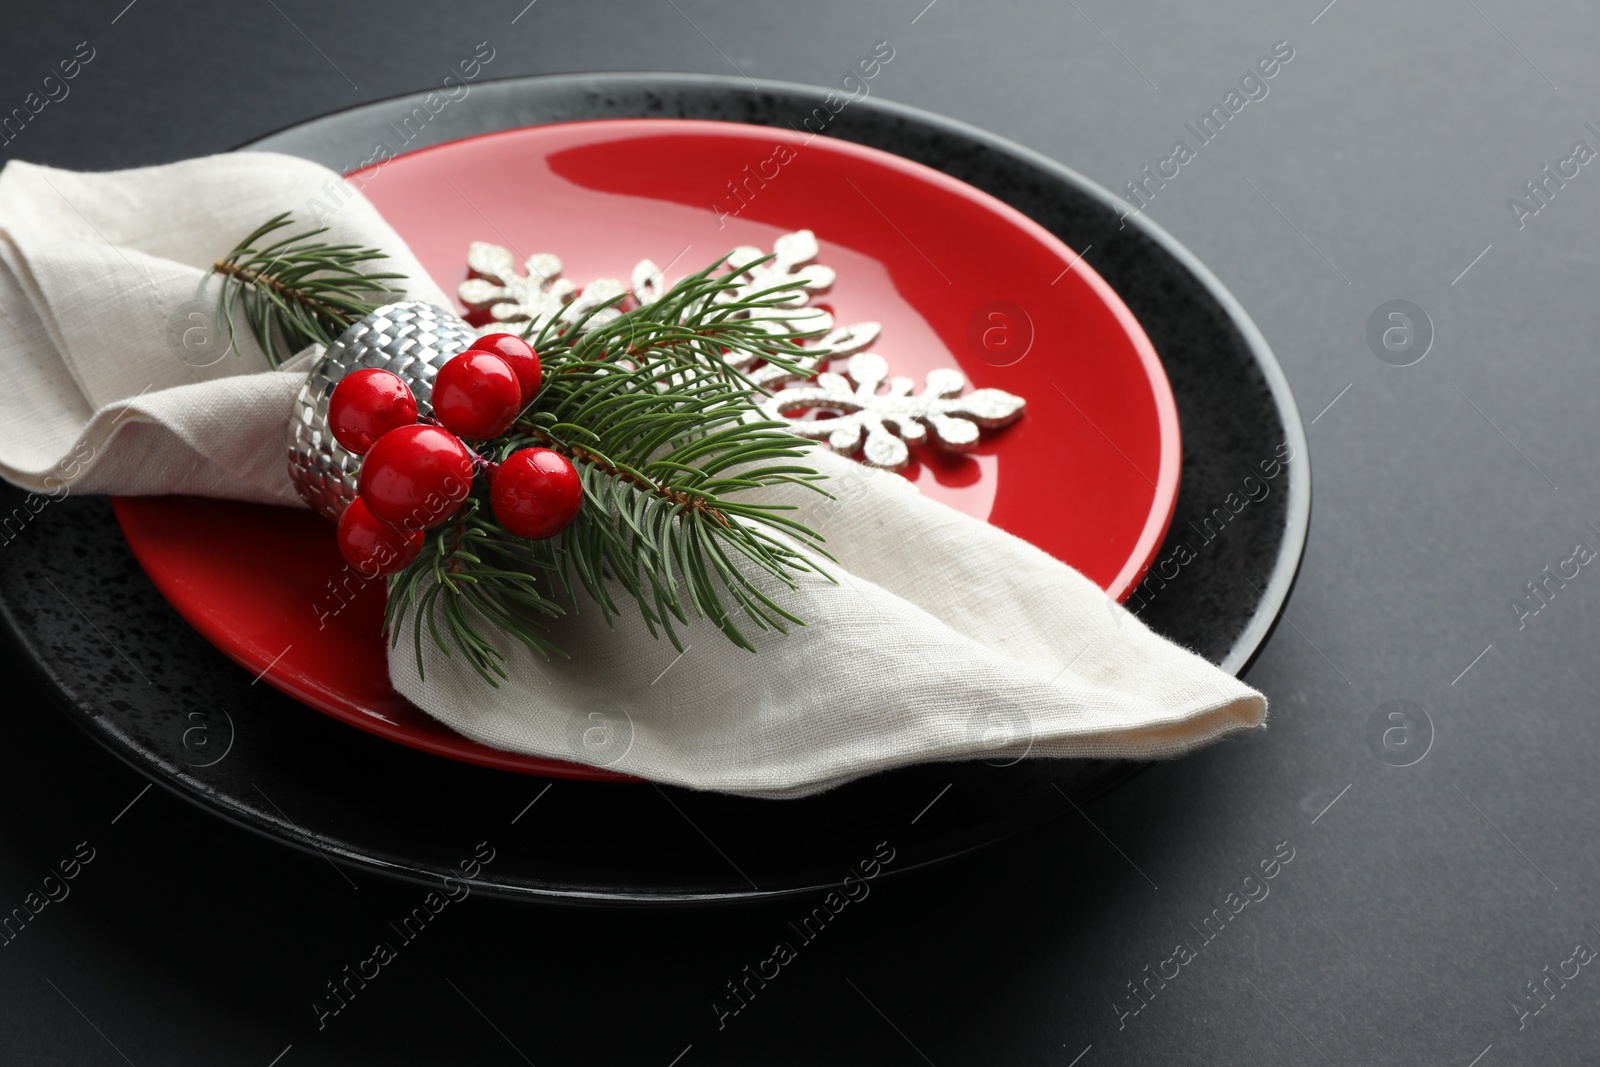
pixel 131 673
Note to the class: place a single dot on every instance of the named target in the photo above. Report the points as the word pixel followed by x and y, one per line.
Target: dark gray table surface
pixel 1420 901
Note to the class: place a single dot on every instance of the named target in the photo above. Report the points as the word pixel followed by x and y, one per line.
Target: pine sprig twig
pixel 662 429
pixel 665 438
pixel 470 563
pixel 297 291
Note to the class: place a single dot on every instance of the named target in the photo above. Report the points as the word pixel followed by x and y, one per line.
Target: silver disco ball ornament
pixel 410 339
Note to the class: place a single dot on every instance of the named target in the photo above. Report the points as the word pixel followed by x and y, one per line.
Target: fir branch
pixel 666 439
pixel 471 562
pixel 662 429
pixel 297 291
pixel 699 317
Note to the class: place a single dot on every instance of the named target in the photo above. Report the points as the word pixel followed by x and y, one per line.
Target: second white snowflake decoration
pixel 889 421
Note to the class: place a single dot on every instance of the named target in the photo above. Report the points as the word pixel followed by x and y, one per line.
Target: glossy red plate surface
pixel 1090 473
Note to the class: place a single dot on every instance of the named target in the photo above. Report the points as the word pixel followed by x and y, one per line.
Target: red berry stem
pixel 677 496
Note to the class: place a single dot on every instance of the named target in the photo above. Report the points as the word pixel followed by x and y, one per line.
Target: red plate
pixel 1090 473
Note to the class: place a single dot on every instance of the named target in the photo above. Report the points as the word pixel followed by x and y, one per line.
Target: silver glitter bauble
pixel 410 339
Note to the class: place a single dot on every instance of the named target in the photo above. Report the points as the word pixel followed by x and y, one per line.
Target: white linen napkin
pixel 945 639
pixel 115 378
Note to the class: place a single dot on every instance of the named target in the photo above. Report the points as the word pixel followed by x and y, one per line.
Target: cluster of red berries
pixel 415 476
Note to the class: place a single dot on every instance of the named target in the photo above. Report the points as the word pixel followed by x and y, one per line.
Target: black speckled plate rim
pixel 576 97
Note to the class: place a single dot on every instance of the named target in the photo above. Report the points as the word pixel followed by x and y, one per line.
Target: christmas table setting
pixel 238 825
pixel 395 552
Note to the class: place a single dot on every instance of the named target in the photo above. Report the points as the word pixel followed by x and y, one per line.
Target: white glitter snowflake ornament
pixel 539 295
pixel 496 287
pixel 790 267
pixel 891 420
pixel 798 279
pixel 835 344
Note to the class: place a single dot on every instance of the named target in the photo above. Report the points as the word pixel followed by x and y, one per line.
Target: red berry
pixel 476 395
pixel 535 493
pixel 524 361
pixel 416 477
pixel 374 547
pixel 365 405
